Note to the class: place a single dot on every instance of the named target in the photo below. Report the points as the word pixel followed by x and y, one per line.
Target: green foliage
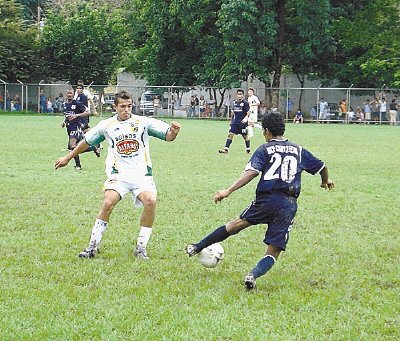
pixel 162 54
pixel 310 45
pixel 370 45
pixel 338 279
pixel 83 43
pixel 18 49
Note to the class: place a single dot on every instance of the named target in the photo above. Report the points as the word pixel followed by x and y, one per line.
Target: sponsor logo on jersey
pixel 127 147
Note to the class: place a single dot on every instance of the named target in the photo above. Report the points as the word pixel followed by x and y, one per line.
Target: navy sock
pixel 218 235
pixel 247 144
pixel 263 266
pixel 228 143
pixel 77 161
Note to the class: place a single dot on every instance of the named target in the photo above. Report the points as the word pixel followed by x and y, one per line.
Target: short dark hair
pixel 275 123
pixel 80 85
pixel 240 90
pixel 123 95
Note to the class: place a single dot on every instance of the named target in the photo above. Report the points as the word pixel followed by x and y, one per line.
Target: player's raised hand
pixel 220 195
pixel 329 185
pixel 61 162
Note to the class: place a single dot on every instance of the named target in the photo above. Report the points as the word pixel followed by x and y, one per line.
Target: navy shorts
pixel 238 129
pixel 275 210
pixel 74 130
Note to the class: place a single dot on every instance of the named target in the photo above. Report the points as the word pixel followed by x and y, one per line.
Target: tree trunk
pixel 272 94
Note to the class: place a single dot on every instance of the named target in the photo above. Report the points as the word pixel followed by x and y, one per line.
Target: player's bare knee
pixel 108 205
pixel 236 226
pixel 150 202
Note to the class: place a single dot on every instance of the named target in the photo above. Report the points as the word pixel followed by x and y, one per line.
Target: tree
pixel 370 45
pixel 18 49
pixel 310 45
pixel 82 42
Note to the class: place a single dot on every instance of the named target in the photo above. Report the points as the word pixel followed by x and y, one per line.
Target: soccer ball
pixel 210 256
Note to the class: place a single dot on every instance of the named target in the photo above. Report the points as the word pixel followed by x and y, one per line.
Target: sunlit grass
pixel 338 279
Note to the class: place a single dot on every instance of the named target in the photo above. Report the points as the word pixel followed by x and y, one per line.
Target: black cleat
pixel 87 253
pixel 250 282
pixel 191 250
pixel 223 151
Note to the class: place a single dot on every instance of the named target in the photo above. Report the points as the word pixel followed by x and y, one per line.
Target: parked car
pixel 146 102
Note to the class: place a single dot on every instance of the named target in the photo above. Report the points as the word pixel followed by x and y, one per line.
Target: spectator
pixel 323 109
pixel 343 108
pixel 58 104
pixel 313 113
pixel 202 106
pixel 156 104
pixel 262 109
pixel 298 118
pixel 192 106
pixel 393 112
pixel 382 109
pixel 17 102
pixel 367 111
pixel 359 115
pixel 8 101
pixel 42 101
pixel 1 102
pixel 50 109
pixel 351 114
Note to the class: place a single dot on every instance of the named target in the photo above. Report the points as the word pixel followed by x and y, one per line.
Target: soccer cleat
pixel 78 168
pixel 191 250
pixel 87 253
pixel 141 253
pixel 250 281
pixel 248 151
pixel 223 151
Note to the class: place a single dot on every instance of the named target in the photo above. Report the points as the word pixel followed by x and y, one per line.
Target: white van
pixel 146 102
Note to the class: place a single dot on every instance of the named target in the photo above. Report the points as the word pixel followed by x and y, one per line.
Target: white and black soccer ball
pixel 210 256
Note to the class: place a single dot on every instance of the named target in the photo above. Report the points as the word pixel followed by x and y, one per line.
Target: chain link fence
pixel 342 105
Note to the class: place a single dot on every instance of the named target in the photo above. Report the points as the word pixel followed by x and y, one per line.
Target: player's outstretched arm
pixel 246 177
pixel 325 181
pixel 63 161
pixel 173 131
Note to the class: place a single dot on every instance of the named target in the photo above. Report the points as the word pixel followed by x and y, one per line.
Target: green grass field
pixel 338 280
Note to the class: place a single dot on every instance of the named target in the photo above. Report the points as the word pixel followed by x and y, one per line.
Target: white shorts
pixel 253 117
pixel 141 184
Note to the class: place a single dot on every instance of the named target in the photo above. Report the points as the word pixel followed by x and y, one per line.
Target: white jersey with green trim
pixel 128 150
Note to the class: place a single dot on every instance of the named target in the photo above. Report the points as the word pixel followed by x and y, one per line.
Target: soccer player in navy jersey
pixel 81 97
pixel 74 112
pixel 239 122
pixel 279 163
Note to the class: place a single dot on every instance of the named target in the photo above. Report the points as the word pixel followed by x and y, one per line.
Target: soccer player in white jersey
pixel 128 167
pixel 254 102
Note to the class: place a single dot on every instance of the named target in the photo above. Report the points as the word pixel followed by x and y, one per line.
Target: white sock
pixel 97 233
pixel 250 131
pixel 144 236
